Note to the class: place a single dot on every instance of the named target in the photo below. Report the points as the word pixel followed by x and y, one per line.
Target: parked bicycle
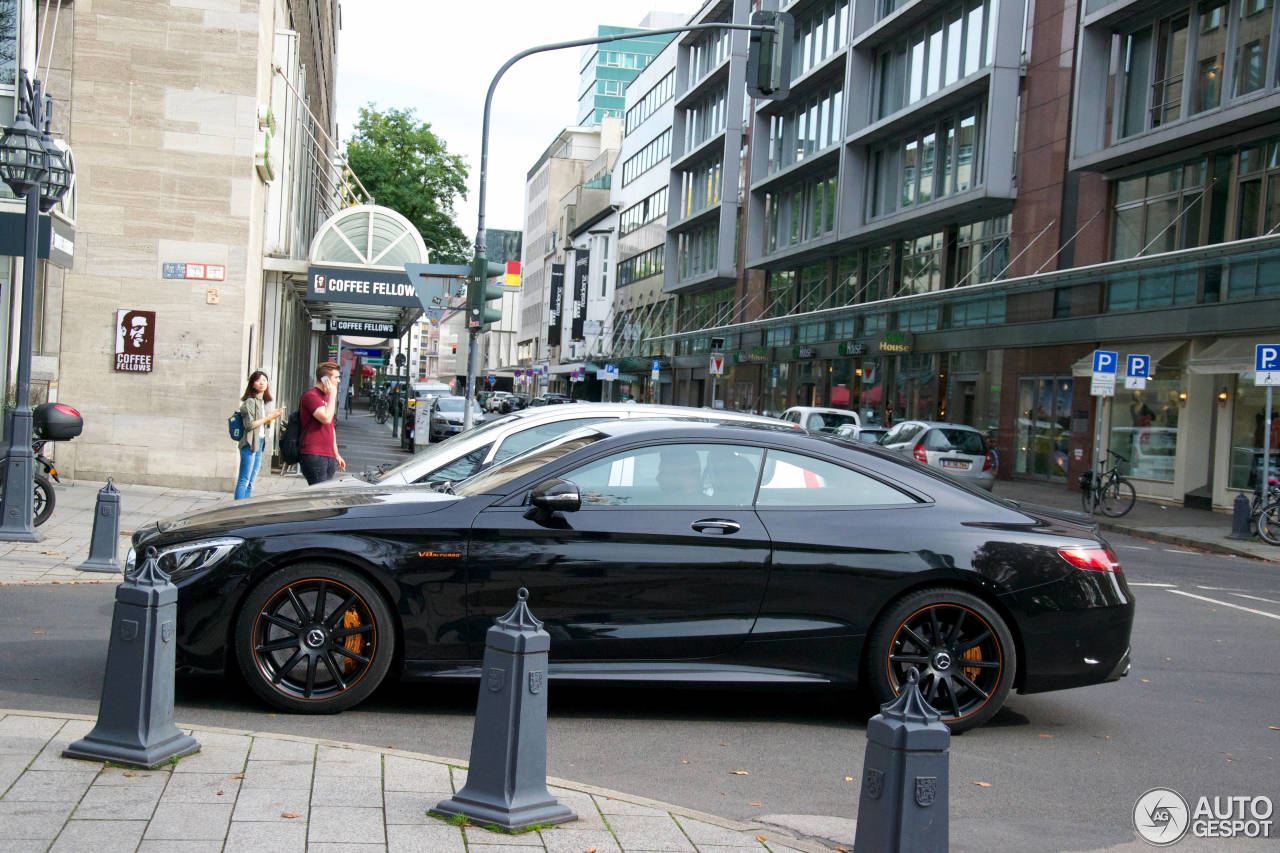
pixel 1107 490
pixel 380 412
pixel 1266 513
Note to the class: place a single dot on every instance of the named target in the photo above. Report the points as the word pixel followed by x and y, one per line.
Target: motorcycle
pixel 52 422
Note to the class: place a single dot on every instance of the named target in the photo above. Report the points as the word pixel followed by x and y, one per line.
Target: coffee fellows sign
pixel 135 340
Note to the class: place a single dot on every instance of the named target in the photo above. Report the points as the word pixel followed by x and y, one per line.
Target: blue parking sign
pixel 1266 357
pixel 657 365
pixel 1138 366
pixel 1104 361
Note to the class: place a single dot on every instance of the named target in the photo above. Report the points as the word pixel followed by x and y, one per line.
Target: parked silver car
pixel 447 415
pixel 819 419
pixel 504 436
pixel 867 434
pixel 956 449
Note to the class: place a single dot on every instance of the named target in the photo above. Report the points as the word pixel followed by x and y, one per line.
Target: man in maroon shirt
pixel 320 459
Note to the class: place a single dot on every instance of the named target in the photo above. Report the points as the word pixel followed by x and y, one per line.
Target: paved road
pixel 1064 769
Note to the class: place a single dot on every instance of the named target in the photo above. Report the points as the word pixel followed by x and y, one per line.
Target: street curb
pixel 766 832
pixel 1205 545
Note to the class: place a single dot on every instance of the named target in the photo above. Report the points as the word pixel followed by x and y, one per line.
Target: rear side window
pixel 956 441
pixel 903 434
pixel 790 479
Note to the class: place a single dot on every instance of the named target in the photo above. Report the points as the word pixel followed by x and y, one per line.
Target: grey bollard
pixel 903 806
pixel 507 778
pixel 1241 519
pixel 135 718
pixel 104 544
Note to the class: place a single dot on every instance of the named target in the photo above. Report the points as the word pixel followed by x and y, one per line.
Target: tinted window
pixel 829 420
pixel 521 441
pixel 793 480
pixel 671 475
pixel 493 479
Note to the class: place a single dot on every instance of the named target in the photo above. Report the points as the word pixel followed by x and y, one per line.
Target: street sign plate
pixel 1266 364
pixel 1103 385
pixel 654 375
pixel 717 364
pixel 1138 366
pixel 1104 361
pixel 1135 383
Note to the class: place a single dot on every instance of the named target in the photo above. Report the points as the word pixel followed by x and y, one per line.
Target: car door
pixel 664 560
pixel 842 542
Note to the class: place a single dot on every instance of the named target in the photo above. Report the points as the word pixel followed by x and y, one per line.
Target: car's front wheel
pixel 958 644
pixel 314 639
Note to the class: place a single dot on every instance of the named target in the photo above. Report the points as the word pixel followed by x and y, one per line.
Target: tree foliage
pixel 407 168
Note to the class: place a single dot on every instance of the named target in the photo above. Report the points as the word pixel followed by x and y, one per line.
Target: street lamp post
pixel 34 167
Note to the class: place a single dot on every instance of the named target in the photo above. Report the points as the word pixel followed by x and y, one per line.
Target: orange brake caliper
pixel 351 619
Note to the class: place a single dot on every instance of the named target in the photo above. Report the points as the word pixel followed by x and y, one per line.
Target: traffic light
pixel 769 55
pixel 482 290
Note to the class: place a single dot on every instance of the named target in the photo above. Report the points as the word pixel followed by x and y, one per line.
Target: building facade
pixel 202 140
pixel 605 70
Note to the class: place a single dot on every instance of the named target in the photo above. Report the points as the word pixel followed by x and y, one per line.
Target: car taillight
pixel 989 462
pixel 1092 559
pixel 919 454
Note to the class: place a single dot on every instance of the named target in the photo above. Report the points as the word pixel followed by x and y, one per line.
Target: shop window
pixel 1144 427
pixel 1248 422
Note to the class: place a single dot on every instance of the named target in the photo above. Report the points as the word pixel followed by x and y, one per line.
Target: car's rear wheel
pixel 958 644
pixel 314 639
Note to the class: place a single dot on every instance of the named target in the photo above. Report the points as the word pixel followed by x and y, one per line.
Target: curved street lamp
pixel 35 167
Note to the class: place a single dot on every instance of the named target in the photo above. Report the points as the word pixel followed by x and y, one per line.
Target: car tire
pixel 314 639
pixel 960 646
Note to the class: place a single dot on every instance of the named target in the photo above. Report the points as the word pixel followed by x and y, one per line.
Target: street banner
pixel 581 279
pixel 556 304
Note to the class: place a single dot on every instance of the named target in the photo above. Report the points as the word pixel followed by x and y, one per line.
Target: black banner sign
pixel 556 304
pixel 368 328
pixel 361 286
pixel 581 278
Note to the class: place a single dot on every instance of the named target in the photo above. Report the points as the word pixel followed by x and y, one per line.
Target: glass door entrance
pixel 1044 426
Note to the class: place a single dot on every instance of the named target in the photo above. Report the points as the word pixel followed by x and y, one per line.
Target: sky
pixel 438 57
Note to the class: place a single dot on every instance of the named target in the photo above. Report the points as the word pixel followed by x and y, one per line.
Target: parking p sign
pixel 1103 383
pixel 1266 364
pixel 1137 371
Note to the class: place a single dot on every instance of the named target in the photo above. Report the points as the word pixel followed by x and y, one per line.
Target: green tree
pixel 407 168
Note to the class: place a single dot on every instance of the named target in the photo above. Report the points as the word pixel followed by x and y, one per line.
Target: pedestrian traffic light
pixel 481 290
pixel 769 55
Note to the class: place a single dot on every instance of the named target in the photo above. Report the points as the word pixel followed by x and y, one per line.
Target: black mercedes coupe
pixel 660 552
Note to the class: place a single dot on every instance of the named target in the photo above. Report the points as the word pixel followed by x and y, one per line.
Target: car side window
pixel 458 469
pixel 526 438
pixel 790 479
pixel 671 475
pixel 909 432
pixel 815 422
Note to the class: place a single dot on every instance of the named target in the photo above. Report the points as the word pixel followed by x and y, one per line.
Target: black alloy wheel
pixel 958 644
pixel 314 639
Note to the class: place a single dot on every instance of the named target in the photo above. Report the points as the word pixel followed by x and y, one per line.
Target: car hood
pixel 303 506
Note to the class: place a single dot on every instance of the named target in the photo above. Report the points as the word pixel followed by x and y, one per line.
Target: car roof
pixel 822 409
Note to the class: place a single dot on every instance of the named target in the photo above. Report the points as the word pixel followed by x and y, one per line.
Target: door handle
pixel 716 526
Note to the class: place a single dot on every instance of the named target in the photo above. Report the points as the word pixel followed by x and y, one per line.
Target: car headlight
pixel 189 557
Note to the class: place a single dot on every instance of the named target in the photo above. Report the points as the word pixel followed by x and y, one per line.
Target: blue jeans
pixel 250 459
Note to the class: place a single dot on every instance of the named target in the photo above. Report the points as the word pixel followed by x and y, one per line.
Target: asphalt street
pixel 1054 771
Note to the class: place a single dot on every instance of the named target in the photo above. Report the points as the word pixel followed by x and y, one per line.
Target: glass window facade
pixel 955 42
pixel 1144 427
pixel 643 212
pixel 935 160
pixel 649 103
pixel 820 33
pixel 696 251
pixel 647 157
pixel 799 213
pixel 1247 425
pixel 640 266
pixel 704 119
pixel 811 125
pixel 700 187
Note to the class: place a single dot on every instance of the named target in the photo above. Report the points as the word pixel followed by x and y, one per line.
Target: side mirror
pixel 556 496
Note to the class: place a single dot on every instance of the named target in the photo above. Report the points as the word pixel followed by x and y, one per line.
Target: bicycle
pixel 1107 490
pixel 1266 517
pixel 380 412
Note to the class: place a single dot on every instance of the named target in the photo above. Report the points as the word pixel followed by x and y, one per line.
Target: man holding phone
pixel 320 459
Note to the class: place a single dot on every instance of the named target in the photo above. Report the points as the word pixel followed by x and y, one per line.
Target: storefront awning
pixel 1157 350
pixel 1228 355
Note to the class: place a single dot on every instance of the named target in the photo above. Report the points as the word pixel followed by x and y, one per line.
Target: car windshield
pixel 441 452
pixel 493 479
pixel 451 404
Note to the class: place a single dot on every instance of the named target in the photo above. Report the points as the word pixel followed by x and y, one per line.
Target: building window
pixel 923 264
pixel 1211 45
pixel 643 212
pixel 1160 211
pixel 954 43
pixel 1254 38
pixel 1144 427
pixel 647 157
pixel 643 265
pixel 818 35
pixel 934 161
pixel 696 251
pixel 982 250
pixel 651 100
pixel 799 213
pixel 987 311
pixel 780 293
pixel 918 319
pixel 1248 427
pixel 808 127
pixel 707 53
pixel 700 188
pixel 704 119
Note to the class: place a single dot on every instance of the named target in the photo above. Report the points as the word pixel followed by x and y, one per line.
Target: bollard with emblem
pixel 135 718
pixel 507 777
pixel 104 544
pixel 1241 519
pixel 903 806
